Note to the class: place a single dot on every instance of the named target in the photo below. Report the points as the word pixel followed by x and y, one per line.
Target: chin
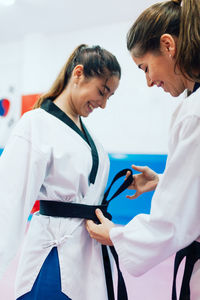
pixel 85 115
pixel 175 93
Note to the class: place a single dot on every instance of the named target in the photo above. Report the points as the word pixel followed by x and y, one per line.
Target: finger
pixel 89 222
pixel 138 168
pixel 132 197
pixel 90 225
pixel 100 215
pixel 127 174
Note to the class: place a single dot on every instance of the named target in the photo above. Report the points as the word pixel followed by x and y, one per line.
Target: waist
pixel 72 210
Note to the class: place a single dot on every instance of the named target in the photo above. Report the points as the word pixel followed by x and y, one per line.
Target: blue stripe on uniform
pixel 48 283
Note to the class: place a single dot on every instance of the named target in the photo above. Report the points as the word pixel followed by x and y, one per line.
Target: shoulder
pixel 192 103
pixel 35 115
pixel 188 109
pixel 34 122
pixel 185 123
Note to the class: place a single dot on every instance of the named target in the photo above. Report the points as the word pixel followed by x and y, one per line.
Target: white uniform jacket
pixel 48 159
pixel 174 220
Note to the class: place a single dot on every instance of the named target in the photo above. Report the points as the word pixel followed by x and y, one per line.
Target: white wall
pixel 136 119
pixel 10 87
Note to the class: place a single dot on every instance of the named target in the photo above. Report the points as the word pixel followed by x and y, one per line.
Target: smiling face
pixel 90 93
pixel 84 94
pixel 159 68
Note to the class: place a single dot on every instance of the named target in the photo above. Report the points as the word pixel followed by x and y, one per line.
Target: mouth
pixel 160 84
pixel 91 107
pixel 164 88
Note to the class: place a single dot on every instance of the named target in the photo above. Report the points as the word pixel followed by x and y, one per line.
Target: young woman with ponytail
pixel 164 42
pixel 53 158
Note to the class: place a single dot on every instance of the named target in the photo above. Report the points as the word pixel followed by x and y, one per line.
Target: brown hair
pixel 96 62
pixel 178 18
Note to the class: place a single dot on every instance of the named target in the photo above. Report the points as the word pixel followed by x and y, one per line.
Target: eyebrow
pixel 106 87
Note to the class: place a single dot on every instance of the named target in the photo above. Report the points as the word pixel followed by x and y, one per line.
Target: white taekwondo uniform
pixel 47 158
pixel 174 220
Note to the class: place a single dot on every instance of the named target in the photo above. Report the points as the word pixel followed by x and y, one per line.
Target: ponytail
pixel 188 45
pixel 62 79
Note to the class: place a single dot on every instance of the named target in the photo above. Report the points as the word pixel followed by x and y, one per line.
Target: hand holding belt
pixel 83 211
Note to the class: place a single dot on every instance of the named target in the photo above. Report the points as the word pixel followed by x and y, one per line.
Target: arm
pixel 22 171
pixel 174 219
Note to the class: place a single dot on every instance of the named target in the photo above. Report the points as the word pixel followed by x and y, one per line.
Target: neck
pixel 190 85
pixel 63 102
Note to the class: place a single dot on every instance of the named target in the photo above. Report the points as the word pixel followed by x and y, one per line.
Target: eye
pixel 101 93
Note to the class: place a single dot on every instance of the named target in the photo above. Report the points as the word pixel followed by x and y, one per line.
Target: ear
pixel 168 44
pixel 78 72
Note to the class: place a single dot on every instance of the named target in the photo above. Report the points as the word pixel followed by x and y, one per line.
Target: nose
pixel 103 102
pixel 149 81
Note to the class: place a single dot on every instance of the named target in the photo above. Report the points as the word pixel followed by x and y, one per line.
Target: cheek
pixel 79 96
pixel 162 73
pixel 168 69
pixel 171 77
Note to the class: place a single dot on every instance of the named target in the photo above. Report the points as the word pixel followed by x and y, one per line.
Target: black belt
pixel 192 254
pixel 83 211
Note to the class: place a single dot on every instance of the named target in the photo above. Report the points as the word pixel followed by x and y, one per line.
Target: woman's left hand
pixel 100 232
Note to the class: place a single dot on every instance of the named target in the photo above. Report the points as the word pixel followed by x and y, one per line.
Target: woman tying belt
pixel 164 43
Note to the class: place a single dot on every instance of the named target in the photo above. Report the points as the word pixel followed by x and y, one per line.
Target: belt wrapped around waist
pixel 83 211
pixel 72 210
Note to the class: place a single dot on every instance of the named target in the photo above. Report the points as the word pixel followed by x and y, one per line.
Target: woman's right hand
pixel 146 181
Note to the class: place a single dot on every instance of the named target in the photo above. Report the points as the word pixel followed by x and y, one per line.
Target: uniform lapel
pixel 53 109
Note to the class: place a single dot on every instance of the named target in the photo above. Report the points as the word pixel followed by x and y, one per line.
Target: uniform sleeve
pixel 174 219
pixel 22 172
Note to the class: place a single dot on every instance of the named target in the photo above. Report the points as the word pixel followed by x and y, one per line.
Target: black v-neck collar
pixel 196 86
pixel 54 110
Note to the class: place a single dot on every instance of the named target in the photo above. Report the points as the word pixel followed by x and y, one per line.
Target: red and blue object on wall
pixel 4 107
